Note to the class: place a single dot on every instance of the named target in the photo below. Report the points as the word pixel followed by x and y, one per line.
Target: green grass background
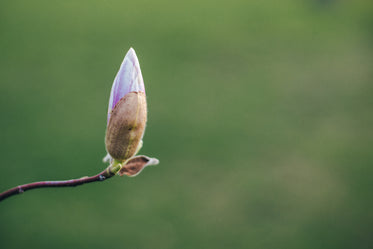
pixel 259 111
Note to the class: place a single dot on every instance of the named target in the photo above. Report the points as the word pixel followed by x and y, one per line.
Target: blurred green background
pixel 259 111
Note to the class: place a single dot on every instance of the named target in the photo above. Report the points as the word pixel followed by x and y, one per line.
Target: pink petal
pixel 128 79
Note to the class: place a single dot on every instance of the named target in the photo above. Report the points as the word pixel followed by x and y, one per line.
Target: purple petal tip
pixel 128 79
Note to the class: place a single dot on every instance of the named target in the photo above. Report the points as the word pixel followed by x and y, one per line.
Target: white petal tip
pixel 131 55
pixel 107 158
pixel 152 161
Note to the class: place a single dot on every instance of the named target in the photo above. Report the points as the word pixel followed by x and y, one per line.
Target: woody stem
pixel 107 173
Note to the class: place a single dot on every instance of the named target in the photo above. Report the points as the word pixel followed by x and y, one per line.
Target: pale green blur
pixel 259 111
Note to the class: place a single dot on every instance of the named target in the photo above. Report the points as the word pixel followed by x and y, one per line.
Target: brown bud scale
pixel 126 126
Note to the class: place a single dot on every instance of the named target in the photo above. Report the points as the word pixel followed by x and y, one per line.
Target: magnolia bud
pixel 126 120
pixel 127 110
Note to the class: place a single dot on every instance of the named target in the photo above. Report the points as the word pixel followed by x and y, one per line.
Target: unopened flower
pixel 127 116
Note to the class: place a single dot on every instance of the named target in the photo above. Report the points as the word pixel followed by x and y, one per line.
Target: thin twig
pixel 107 173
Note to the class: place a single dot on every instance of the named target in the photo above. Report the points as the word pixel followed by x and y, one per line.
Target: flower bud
pixel 136 164
pixel 127 112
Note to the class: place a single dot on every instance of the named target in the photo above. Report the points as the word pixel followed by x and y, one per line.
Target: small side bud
pixel 136 164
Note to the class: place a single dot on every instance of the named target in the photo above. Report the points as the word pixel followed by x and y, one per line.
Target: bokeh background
pixel 259 111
